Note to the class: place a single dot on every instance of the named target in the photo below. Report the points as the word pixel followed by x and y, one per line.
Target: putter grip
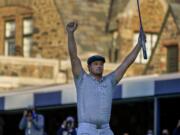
pixel 143 44
pixel 142 35
pixel 144 50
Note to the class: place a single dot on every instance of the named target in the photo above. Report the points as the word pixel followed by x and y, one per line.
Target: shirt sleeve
pixel 23 123
pixel 39 122
pixel 112 78
pixel 79 78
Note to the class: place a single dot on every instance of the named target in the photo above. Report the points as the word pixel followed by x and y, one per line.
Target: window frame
pixel 169 67
pixel 29 35
pixel 7 50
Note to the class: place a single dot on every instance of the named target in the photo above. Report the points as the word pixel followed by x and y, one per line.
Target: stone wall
pixel 20 72
pixel 91 15
pixel 49 35
pixel 49 38
pixel 33 68
pixel 152 12
pixel 169 36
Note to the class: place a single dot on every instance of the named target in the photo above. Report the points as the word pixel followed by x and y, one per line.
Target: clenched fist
pixel 72 26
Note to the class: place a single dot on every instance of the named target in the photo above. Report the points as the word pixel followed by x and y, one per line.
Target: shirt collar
pixel 94 78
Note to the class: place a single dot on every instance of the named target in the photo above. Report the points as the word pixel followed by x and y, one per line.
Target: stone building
pixel 32 29
pixel 33 43
pixel 166 57
pixel 124 25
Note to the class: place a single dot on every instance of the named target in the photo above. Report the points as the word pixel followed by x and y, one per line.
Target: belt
pixel 97 126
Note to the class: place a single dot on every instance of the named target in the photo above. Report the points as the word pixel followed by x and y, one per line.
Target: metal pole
pixel 156 116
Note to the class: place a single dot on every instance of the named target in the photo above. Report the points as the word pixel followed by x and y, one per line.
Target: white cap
pixel 69 118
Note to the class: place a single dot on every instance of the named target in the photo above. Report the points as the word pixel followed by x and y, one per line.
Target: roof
pixel 91 16
pixel 175 9
pixel 61 95
pixel 120 8
pixel 116 7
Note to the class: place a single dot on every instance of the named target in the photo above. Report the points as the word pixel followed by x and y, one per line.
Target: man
pixel 94 91
pixel 176 131
pixel 165 132
pixel 149 132
pixel 32 123
pixel 67 128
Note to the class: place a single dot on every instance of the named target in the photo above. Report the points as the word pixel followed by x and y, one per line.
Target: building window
pixel 10 42
pixel 172 58
pixel 150 43
pixel 27 36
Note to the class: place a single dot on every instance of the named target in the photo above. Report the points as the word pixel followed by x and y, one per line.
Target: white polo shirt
pixel 94 98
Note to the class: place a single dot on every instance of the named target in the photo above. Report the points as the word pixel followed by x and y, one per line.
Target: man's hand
pixel 142 37
pixel 142 42
pixel 75 61
pixel 25 113
pixel 63 125
pixel 72 26
pixel 178 125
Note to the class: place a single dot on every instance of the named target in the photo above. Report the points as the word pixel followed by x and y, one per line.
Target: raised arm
pixel 75 61
pixel 39 122
pixel 120 71
pixel 23 122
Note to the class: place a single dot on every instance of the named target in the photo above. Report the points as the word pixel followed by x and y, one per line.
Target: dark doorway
pixel 169 112
pixel 134 117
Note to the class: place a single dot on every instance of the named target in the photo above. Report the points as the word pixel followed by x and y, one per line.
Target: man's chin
pixel 99 74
